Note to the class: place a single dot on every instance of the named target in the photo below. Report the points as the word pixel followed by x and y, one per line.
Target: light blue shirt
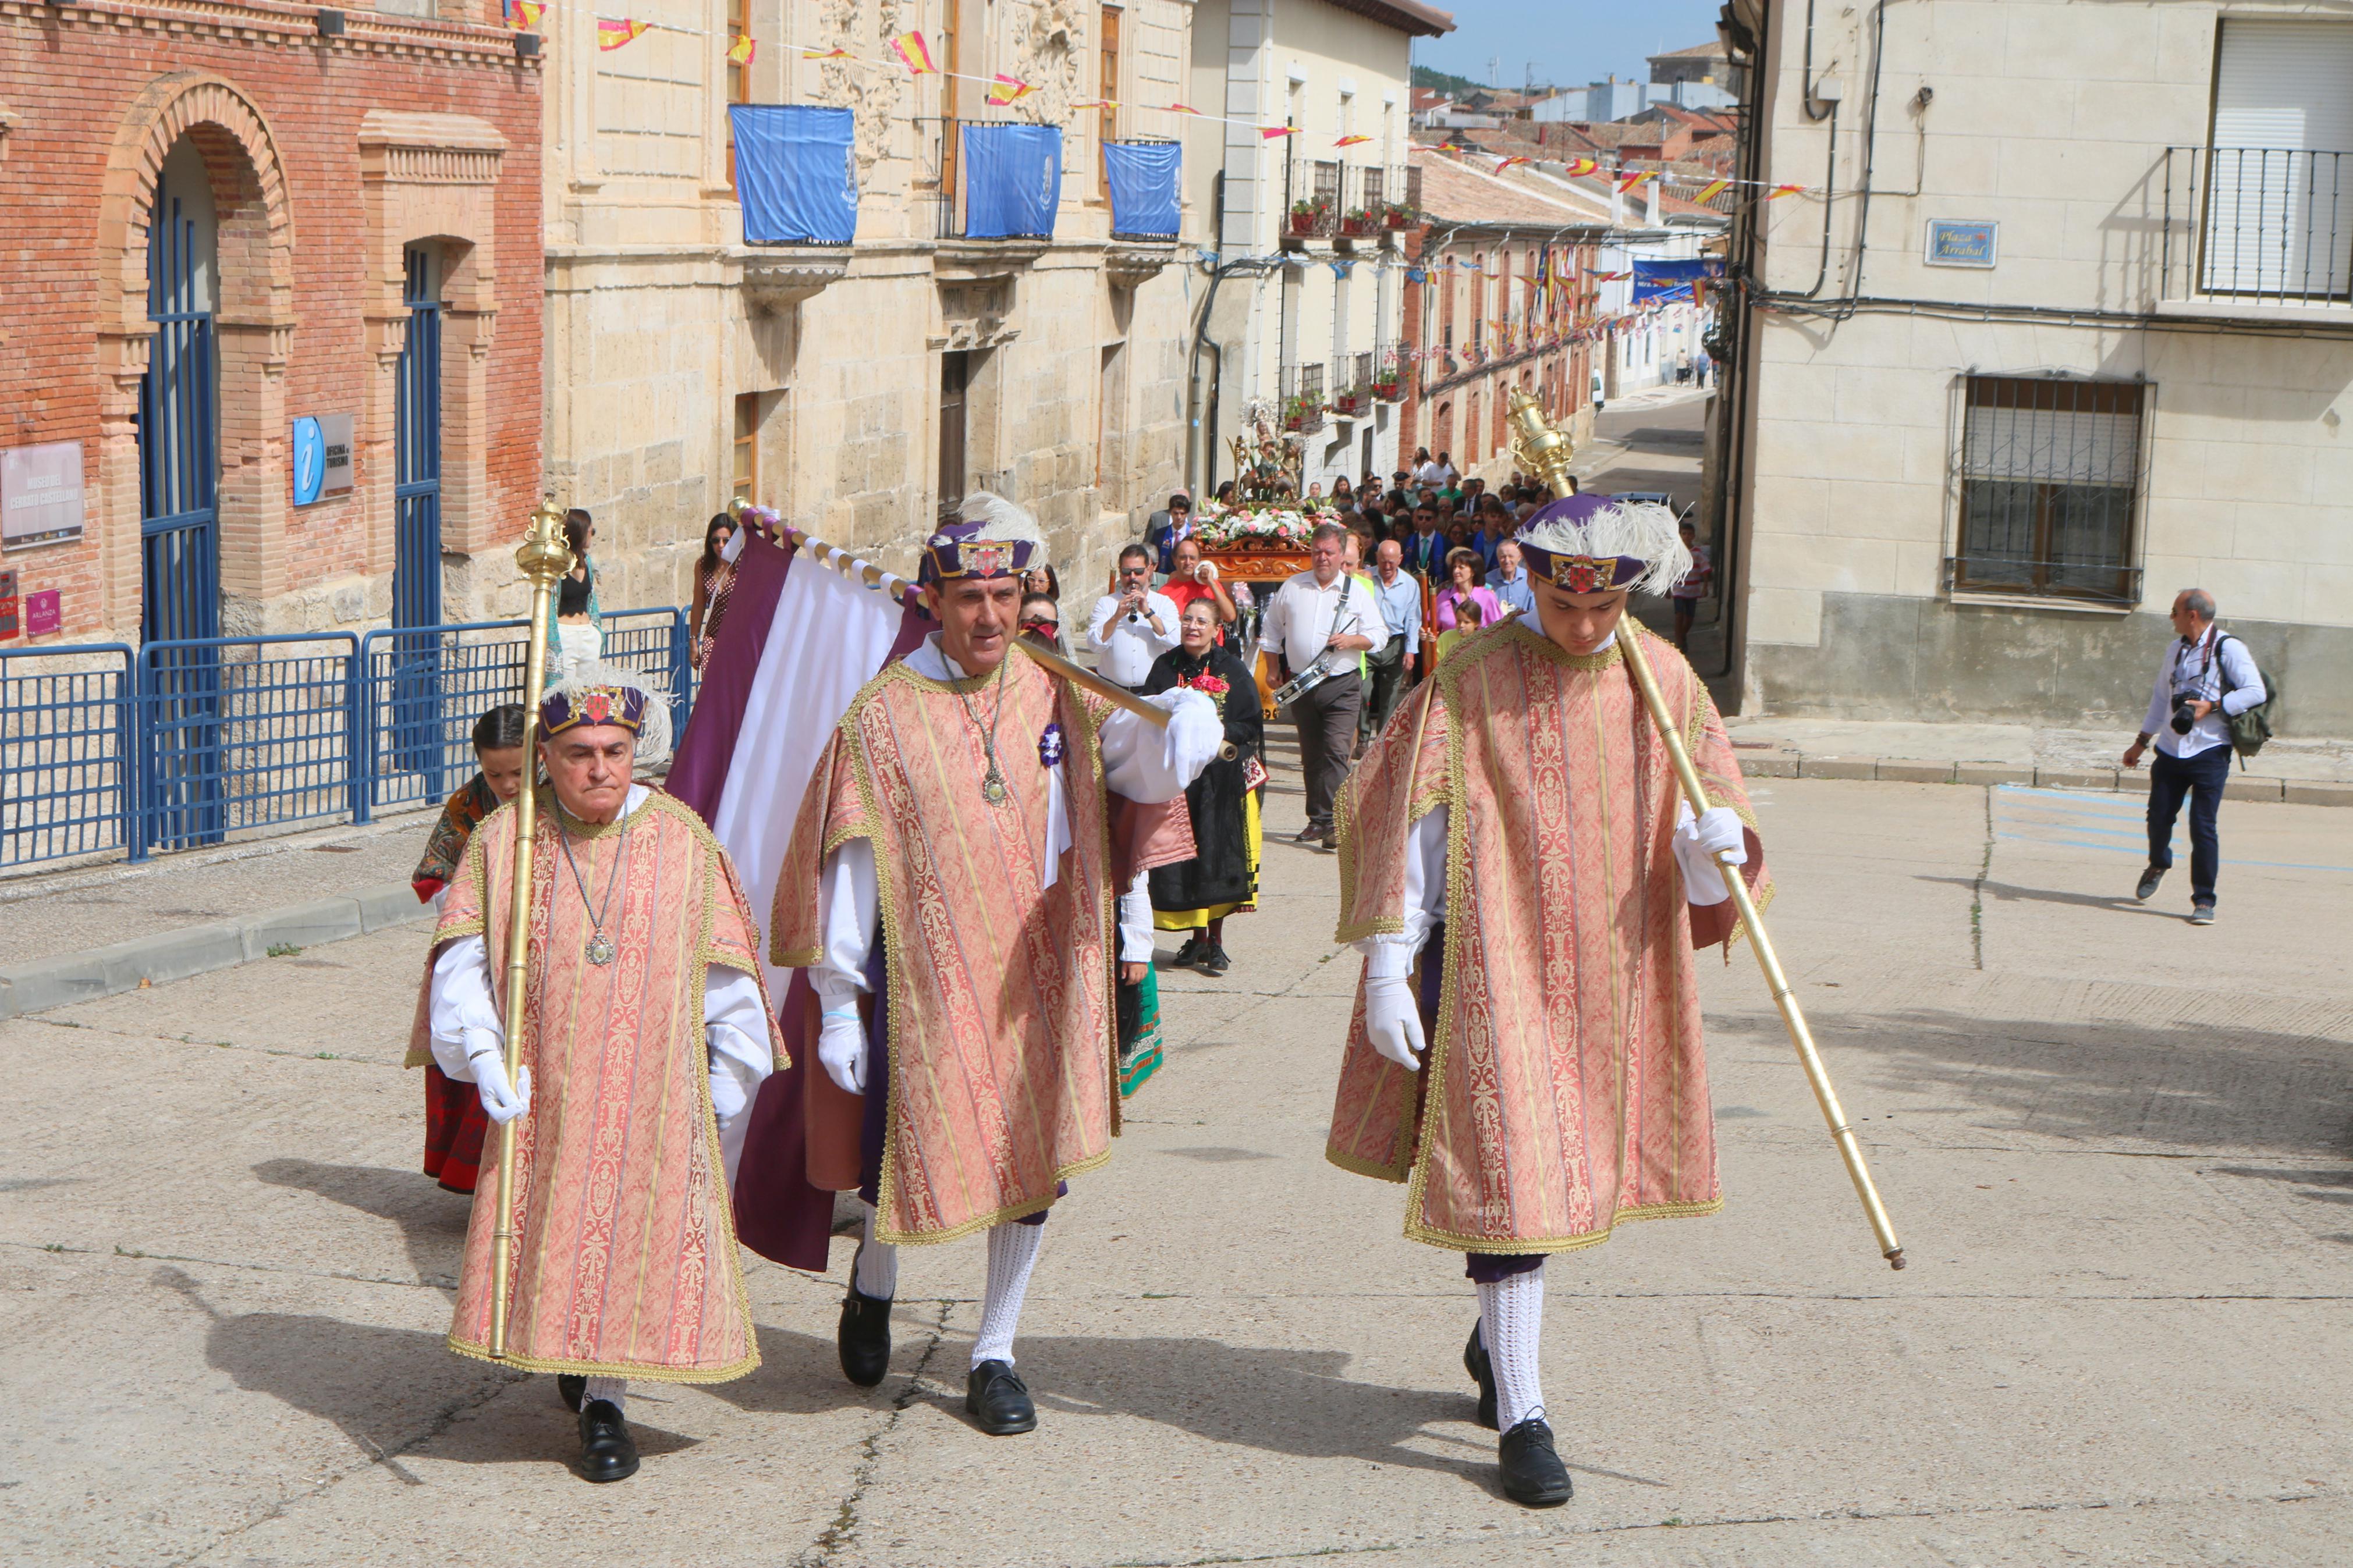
pixel 1401 609
pixel 1513 593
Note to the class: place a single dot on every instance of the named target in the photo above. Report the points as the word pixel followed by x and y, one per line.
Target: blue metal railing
pixel 184 742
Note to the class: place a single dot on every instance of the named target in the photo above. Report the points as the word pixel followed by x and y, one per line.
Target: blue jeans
pixel 2201 778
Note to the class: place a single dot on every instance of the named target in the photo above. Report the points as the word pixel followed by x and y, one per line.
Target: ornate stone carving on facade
pixel 1053 47
pixel 973 316
pixel 1130 262
pixel 873 97
pixel 778 276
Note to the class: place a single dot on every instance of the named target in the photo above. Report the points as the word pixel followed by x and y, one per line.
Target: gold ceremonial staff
pixel 1538 446
pixel 544 560
pixel 1078 675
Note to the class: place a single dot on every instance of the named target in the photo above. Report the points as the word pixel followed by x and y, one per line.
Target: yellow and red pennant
pixel 741 50
pixel 1269 132
pixel 1185 109
pixel 611 35
pixel 523 15
pixel 1351 140
pixel 1003 90
pixel 1503 164
pixel 1629 179
pixel 833 53
pixel 1779 191
pixel 1099 103
pixel 913 55
pixel 1711 190
pixel 1580 166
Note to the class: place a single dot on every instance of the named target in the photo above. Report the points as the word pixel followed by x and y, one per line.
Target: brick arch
pixel 254 321
pixel 257 218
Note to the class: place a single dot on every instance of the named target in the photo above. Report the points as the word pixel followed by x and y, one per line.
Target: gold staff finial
pixel 1538 445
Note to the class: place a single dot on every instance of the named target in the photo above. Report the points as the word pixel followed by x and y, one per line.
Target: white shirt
pixel 2197 669
pixel 1127 644
pixel 1429 474
pixel 464 1014
pixel 1304 616
pixel 1140 762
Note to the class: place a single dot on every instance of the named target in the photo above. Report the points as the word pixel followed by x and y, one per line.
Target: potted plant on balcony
pixel 1386 384
pixel 1358 222
pixel 1300 412
pixel 1396 214
pixel 1304 215
pixel 1351 403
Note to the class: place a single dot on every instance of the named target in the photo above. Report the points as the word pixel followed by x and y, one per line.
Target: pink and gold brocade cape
pixel 1566 1086
pixel 1002 1028
pixel 624 1254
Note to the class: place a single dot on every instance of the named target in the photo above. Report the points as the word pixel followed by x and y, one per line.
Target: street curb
pixel 197 949
pixel 2113 780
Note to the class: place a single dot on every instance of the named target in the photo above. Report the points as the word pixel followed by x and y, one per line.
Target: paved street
pixel 2116 1146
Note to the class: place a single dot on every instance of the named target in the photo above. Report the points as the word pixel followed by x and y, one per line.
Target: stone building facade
pixel 853 388
pixel 224 221
pixel 2086 342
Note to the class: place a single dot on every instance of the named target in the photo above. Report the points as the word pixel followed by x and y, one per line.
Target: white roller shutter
pixel 2279 217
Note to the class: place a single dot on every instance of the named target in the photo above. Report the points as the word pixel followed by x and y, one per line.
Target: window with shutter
pixel 2279 188
pixel 2049 482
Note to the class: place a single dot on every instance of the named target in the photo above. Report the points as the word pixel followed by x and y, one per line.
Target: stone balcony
pixel 777 276
pixel 1128 263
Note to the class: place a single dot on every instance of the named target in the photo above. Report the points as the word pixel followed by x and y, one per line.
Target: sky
pixel 1570 41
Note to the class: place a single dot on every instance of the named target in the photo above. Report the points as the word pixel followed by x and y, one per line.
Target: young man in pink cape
pixel 954 890
pixel 647 1033
pixel 1518 829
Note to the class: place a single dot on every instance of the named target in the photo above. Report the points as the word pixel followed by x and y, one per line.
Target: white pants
pixel 579 644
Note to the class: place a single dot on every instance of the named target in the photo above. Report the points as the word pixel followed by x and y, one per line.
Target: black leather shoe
pixel 1215 962
pixel 998 1400
pixel 1483 1372
pixel 2150 879
pixel 864 1338
pixel 1188 955
pixel 1534 1476
pixel 608 1453
pixel 571 1385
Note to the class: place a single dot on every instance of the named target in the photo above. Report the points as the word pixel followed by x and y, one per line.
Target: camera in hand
pixel 2184 717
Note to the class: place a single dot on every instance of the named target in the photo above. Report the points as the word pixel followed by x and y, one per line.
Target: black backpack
pixel 2251 727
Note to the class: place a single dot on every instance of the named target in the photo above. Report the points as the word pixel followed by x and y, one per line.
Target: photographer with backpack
pixel 2198 713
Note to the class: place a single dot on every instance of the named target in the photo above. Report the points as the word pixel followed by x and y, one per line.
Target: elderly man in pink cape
pixel 1517 828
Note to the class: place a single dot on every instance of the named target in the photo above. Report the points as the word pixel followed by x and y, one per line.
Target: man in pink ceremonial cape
pixel 1517 828
pixel 951 888
pixel 646 1032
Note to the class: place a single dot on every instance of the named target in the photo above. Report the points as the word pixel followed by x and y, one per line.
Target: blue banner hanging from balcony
pixel 1013 180
pixel 796 174
pixel 1669 280
pixel 1143 177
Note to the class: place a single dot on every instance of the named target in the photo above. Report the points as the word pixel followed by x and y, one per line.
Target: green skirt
pixel 1139 1054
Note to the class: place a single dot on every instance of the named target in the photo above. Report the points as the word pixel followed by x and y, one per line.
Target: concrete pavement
pixel 2116 1146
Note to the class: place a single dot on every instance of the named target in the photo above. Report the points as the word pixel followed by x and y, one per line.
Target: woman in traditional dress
pixel 454 1120
pixel 1197 895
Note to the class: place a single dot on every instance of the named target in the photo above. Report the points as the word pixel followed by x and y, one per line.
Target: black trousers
pixel 1326 720
pixel 1386 685
pixel 2201 778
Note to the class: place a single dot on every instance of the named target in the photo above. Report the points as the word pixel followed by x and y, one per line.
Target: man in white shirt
pixel 1428 471
pixel 1398 594
pixel 1510 582
pixel 2206 679
pixel 1320 611
pixel 1133 625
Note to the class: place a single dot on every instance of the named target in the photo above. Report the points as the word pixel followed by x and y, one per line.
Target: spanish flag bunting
pixel 1503 164
pixel 1780 191
pixel 1711 190
pixel 1350 141
pixel 1629 178
pixel 1579 166
pixel 1182 108
pixel 1003 90
pixel 909 48
pixel 832 54
pixel 611 35
pixel 1099 103
pixel 741 50
pixel 1269 132
pixel 523 16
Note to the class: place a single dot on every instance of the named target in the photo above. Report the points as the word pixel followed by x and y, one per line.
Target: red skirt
pixel 455 1124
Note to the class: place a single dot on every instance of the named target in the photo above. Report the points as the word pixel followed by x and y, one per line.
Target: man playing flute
pixel 647 1033
pixel 1517 828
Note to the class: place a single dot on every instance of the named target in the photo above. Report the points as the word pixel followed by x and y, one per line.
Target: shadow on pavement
pixel 432 1219
pixel 2191 1086
pixel 2011 893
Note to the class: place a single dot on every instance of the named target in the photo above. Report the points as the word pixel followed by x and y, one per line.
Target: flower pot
pixel 1303 223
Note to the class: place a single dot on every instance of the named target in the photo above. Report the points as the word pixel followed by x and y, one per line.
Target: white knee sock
pixel 606 1388
pixel 1510 1320
pixel 1012 1253
pixel 875 1270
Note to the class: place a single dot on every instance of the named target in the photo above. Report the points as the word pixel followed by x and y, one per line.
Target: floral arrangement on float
pixel 1256 527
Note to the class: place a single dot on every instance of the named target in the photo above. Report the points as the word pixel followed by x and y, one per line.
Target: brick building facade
pixel 1500 296
pixel 227 219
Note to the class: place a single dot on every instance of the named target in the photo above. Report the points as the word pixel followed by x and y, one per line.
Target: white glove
pixel 1195 732
pixel 1718 831
pixel 842 1050
pixel 502 1102
pixel 1393 1021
